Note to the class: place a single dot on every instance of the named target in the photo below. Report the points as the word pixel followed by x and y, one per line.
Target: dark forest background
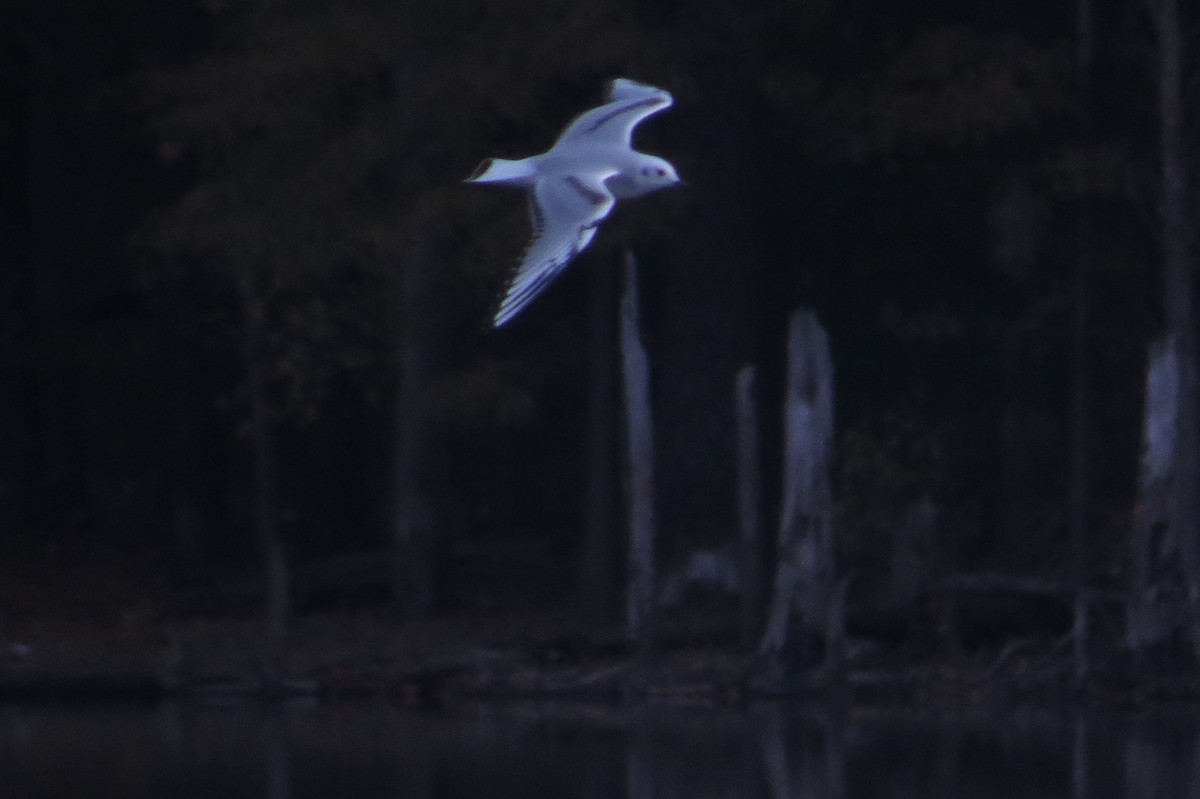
pixel 244 290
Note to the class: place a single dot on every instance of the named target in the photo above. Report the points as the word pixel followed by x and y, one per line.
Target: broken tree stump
pixel 807 600
pixel 1157 594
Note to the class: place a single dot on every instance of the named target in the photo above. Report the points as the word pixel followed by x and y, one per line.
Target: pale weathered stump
pixel 1177 209
pixel 639 606
pixel 1157 603
pixel 805 579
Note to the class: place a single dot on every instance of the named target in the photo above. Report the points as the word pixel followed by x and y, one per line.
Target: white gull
pixel 575 184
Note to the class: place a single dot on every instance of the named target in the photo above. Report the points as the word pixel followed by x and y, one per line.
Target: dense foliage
pixel 912 172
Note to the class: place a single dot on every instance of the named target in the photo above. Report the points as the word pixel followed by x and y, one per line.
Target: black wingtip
pixel 481 170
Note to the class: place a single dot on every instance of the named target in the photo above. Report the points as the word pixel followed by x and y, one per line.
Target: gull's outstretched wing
pixel 565 210
pixel 628 103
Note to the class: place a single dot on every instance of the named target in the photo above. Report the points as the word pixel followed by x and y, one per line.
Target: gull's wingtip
pixel 502 170
pixel 480 171
pixel 625 88
pixel 501 318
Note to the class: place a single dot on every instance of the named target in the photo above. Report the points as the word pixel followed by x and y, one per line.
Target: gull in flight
pixel 573 185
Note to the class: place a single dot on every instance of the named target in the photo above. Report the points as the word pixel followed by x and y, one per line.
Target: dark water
pixel 528 751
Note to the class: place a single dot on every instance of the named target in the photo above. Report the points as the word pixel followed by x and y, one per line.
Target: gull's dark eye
pixel 660 172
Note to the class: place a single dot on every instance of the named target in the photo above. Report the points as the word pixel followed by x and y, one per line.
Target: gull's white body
pixel 575 184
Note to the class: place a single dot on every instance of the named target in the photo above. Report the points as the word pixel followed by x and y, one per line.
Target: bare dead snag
pixel 639 607
pixel 1156 605
pixel 805 578
pixel 1178 237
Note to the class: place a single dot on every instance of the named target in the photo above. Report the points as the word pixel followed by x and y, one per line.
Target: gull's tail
pixel 501 170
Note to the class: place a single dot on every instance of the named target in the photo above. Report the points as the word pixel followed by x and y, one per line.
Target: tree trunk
pixel 640 431
pixel 1178 284
pixel 777 766
pixel 640 765
pixel 190 440
pixel 749 497
pixel 53 207
pixel 16 191
pixel 805 580
pixel 413 561
pixel 1079 364
pixel 277 765
pixel 1081 761
pixel 1155 608
pixel 262 437
pixel 598 569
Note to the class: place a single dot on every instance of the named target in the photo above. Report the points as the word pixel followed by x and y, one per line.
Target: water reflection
pixel 532 751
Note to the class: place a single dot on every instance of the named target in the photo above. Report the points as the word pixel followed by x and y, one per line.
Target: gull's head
pixel 655 173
